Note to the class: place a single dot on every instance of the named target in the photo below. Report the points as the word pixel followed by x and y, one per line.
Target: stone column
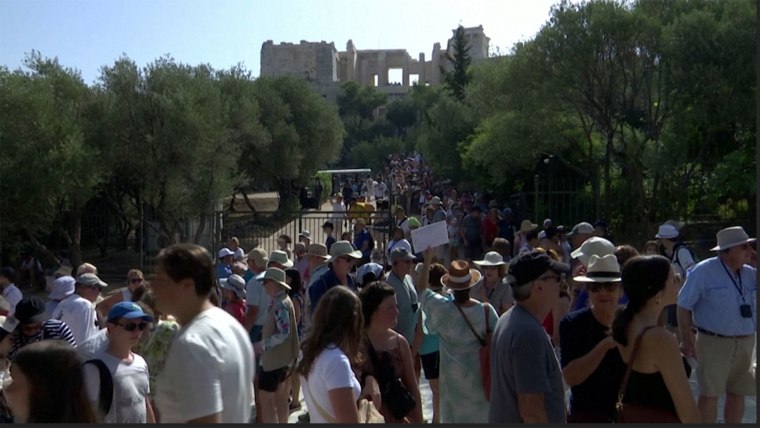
pixel 382 70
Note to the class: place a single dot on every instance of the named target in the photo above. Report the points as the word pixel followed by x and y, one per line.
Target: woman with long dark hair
pixel 293 278
pixel 658 378
pixel 330 352
pixel 389 355
pixel 48 385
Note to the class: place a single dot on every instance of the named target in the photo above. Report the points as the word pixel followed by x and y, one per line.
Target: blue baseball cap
pixel 128 310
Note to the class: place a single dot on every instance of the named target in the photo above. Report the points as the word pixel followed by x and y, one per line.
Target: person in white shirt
pixel 11 293
pixel 78 310
pixel 209 372
pixel 128 371
pixel 381 189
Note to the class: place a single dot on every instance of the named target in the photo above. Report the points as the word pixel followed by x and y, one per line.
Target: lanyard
pixel 739 285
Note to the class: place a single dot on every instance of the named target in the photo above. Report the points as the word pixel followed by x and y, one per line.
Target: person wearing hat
pixel 278 348
pixel 224 266
pixel 300 260
pixel 682 259
pixel 521 235
pixel 35 326
pixel 280 260
pixel 78 310
pixel 526 379
pixel 317 255
pixel 454 320
pixel 397 241
pixel 343 257
pixel 10 292
pixel 580 233
pixel 126 323
pixel 402 261
pixel 601 230
pixel 718 299
pixel 61 288
pixel 493 287
pixel 591 364
pixel 328 228
pixel 233 290
pixel 208 372
pixel 305 237
pixel 591 246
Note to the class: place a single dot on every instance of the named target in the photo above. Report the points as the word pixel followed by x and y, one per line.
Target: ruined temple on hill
pixel 325 68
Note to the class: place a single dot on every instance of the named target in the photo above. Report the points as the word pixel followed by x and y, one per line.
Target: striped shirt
pixel 51 329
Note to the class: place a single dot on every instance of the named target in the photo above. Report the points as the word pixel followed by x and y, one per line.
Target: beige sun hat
pixel 601 269
pixel 281 257
pixel 277 275
pixel 527 226
pixel 492 258
pixel 731 237
pixel 344 248
pixel 317 250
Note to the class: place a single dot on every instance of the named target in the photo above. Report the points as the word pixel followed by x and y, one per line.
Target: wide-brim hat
pixel 281 257
pixel 234 283
pixel 527 226
pixel 277 275
pixel 492 258
pixel 344 248
pixel 731 237
pixel 317 250
pixel 593 246
pixel 460 276
pixel 305 234
pixel 601 269
pixel 666 231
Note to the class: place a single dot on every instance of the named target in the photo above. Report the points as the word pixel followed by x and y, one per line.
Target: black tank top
pixel 650 389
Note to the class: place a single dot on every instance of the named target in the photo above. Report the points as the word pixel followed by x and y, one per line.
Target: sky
pixel 87 34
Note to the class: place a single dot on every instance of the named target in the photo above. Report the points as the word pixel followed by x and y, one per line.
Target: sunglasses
pixel 135 280
pixel 597 286
pixel 132 326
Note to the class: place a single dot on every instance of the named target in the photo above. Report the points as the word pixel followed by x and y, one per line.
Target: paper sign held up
pixel 430 236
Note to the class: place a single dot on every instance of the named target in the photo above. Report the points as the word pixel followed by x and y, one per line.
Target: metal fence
pixel 261 229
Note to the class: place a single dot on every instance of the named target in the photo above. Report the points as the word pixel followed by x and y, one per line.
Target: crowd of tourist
pixel 501 321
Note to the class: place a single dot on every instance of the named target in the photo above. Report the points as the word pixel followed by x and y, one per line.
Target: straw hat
pixel 460 276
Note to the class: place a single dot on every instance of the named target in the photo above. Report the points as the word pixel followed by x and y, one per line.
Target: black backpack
pixel 106 386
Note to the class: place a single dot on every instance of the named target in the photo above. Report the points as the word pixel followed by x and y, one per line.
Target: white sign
pixel 430 236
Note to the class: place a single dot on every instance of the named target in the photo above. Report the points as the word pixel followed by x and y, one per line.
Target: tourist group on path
pixel 501 322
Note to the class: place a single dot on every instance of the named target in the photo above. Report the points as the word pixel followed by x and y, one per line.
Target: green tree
pixel 456 81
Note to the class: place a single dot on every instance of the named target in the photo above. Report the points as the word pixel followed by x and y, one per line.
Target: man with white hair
pixel 716 316
pixel 78 310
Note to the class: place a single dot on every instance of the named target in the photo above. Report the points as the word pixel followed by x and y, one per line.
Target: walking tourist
pixel 78 311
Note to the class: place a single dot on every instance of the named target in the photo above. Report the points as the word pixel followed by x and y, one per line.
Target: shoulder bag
pixel 635 413
pixel 368 413
pixel 485 350
pixel 397 398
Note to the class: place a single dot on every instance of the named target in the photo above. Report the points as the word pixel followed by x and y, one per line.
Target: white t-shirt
pixel 338 211
pixel 401 243
pixel 381 189
pixel 130 387
pixel 79 314
pixel 331 370
pixel 209 369
pixel 255 295
pixel 94 345
pixel 13 295
pixel 370 185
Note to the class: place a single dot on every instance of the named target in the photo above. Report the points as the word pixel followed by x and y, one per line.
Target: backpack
pixel 676 249
pixel 106 386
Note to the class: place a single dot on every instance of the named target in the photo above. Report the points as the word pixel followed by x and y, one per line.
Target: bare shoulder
pixel 659 341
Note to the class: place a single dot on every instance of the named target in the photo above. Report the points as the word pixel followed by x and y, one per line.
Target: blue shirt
pixel 360 239
pixel 327 281
pixel 714 299
pixel 328 243
pixel 223 271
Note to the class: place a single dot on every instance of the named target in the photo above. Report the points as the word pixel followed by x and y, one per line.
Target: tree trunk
pixel 200 229
pixel 608 176
pixel 75 232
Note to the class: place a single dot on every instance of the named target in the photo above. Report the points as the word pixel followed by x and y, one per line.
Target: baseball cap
pixel 224 252
pixel 259 257
pixel 128 310
pixel 90 279
pixel 593 246
pixel 401 254
pixel 582 228
pixel 530 266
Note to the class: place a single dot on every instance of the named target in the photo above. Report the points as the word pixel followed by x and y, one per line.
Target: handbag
pixel 484 352
pixel 368 413
pixel 635 413
pixel 397 398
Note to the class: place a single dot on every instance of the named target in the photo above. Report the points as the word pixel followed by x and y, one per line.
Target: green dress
pixel 461 389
